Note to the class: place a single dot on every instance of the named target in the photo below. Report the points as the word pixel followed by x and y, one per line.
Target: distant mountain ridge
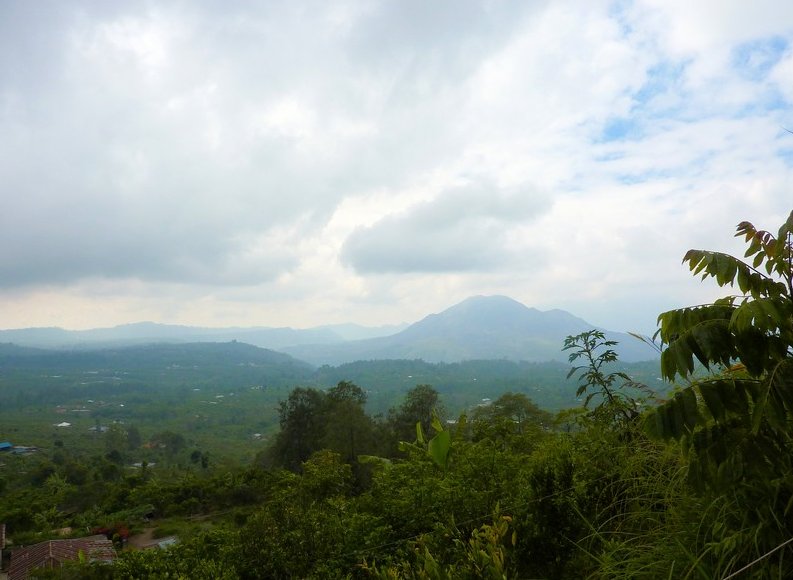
pixel 186 355
pixel 480 327
pixel 140 333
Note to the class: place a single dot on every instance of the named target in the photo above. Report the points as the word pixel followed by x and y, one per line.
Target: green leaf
pixel 438 448
pixel 712 398
pixel 436 422
pixel 688 400
pixel 419 433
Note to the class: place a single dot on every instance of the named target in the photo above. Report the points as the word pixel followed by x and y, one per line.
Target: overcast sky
pixel 304 163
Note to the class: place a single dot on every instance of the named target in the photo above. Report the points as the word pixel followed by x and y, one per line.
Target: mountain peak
pixel 479 327
pixel 489 301
pixel 487 314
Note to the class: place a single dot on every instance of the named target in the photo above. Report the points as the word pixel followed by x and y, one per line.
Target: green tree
pixel 418 407
pixel 615 405
pixel 170 441
pixel 736 425
pixel 516 408
pixel 513 420
pixel 345 391
pixel 325 475
pixel 116 438
pixel 134 439
pixel 348 430
pixel 302 423
pixel 747 341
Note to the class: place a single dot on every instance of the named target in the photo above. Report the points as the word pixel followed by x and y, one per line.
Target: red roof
pixel 54 553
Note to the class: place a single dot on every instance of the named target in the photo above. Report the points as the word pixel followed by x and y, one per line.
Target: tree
pixel 516 408
pixel 417 407
pixel 302 428
pixel 747 340
pixel 615 405
pixel 348 430
pixel 134 439
pixel 198 457
pixel 510 415
pixel 347 391
pixel 735 425
pixel 116 438
pixel 170 441
pixel 325 475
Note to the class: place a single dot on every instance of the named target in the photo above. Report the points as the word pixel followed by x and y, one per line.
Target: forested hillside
pixel 633 482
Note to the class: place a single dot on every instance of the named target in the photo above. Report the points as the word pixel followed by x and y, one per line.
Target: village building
pixel 55 553
pixel 23 449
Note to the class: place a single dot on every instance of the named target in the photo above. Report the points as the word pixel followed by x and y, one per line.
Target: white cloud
pixel 462 229
pixel 297 163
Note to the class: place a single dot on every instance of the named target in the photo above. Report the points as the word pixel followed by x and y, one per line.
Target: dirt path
pixel 145 538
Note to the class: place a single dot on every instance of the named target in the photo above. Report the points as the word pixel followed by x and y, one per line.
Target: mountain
pixel 151 333
pixel 481 327
pixel 358 332
pixel 194 358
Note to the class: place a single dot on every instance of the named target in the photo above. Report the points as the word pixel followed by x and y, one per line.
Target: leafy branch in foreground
pixel 587 347
pixel 749 337
pixel 736 425
pixel 755 328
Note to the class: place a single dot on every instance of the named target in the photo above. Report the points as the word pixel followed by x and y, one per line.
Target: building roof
pixel 54 553
pixel 23 450
pixel 5 445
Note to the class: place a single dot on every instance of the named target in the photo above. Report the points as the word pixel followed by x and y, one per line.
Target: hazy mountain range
pixel 481 327
pixel 150 333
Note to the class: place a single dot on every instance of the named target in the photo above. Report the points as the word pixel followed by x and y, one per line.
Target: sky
pixel 309 162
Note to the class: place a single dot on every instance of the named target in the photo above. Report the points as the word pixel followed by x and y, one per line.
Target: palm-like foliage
pixel 736 425
pixel 748 337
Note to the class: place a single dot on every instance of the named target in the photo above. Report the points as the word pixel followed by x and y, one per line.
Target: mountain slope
pixel 200 355
pixel 481 327
pixel 152 333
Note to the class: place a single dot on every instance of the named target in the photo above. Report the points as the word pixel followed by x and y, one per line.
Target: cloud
pixel 138 152
pixel 154 142
pixel 461 230
pixel 310 155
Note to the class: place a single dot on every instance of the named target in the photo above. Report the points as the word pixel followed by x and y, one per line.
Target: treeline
pixel 312 420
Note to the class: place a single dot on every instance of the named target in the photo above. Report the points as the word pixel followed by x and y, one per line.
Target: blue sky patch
pixel 753 60
pixel 619 13
pixel 618 129
pixel 786 153
pixel 771 100
pixel 661 78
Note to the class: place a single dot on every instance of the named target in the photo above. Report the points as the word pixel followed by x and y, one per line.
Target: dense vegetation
pixel 699 485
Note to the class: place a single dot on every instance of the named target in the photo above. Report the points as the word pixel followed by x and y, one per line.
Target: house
pixel 164 543
pixel 161 543
pixel 23 450
pixel 5 446
pixel 54 553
